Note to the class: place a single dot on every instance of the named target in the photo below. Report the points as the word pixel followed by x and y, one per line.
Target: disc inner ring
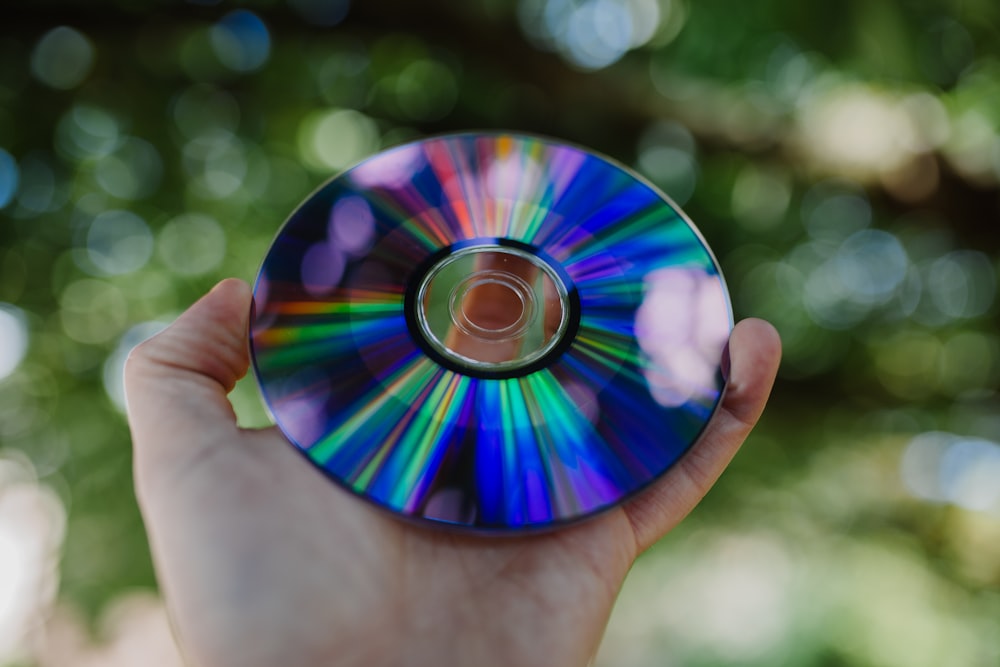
pixel 492 307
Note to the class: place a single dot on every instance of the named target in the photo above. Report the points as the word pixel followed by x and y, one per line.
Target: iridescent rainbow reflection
pixel 628 392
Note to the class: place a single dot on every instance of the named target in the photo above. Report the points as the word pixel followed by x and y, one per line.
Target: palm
pixel 371 577
pixel 264 562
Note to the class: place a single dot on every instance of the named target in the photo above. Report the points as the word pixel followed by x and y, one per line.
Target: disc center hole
pixel 493 305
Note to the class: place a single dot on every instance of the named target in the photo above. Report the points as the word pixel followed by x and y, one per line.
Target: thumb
pixel 176 382
pixel 755 351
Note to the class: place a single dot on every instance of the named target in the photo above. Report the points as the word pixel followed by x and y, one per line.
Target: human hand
pixel 263 562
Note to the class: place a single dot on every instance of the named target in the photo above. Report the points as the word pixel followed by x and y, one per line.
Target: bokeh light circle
pixel 62 59
pixel 14 338
pixel 192 244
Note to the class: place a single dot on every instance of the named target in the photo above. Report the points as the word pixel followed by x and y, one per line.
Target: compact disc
pixel 491 331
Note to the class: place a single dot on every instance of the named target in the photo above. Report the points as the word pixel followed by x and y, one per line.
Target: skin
pixel 263 562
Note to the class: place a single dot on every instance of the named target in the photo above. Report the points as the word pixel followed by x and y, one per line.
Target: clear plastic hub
pixel 492 307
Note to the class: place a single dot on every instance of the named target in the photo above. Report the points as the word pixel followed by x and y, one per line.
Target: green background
pixel 841 159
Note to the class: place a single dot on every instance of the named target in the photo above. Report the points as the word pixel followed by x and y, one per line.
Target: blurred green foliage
pixel 842 159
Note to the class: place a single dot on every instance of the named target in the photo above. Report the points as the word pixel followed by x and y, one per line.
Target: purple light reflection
pixel 322 268
pixel 682 326
pixel 391 170
pixel 352 225
pixel 302 401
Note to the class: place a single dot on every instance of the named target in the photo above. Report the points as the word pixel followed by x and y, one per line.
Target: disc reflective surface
pixel 493 331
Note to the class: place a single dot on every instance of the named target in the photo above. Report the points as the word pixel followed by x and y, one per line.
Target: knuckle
pixel 140 361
